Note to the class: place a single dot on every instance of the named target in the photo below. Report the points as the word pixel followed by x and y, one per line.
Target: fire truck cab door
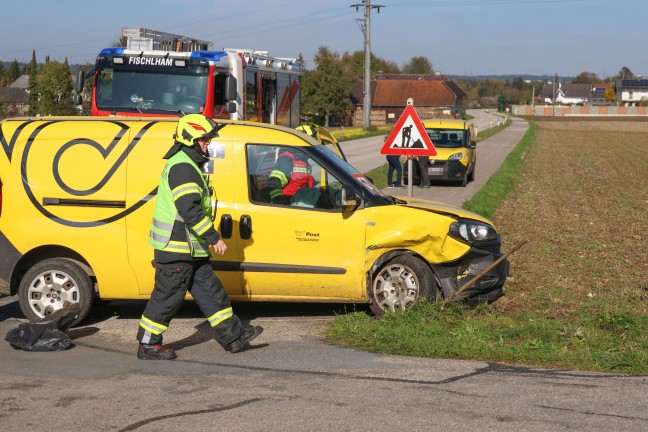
pixel 268 98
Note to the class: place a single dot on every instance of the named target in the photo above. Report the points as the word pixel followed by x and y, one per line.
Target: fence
pixel 579 110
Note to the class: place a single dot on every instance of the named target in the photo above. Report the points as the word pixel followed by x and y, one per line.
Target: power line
pixel 273 25
pixel 483 2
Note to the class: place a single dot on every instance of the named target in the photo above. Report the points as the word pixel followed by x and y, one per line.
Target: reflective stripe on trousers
pixel 220 316
pixel 172 281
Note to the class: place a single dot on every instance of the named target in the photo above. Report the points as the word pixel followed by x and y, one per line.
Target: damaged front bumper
pixel 454 275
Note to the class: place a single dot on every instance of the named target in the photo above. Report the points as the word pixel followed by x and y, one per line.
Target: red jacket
pixel 289 174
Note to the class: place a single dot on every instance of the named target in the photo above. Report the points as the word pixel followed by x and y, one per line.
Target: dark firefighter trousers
pixel 172 281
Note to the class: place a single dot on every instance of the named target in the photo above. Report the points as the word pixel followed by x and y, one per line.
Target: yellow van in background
pixel 76 200
pixel 456 144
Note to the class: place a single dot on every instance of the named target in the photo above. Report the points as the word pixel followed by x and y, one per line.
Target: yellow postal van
pixel 76 202
pixel 456 147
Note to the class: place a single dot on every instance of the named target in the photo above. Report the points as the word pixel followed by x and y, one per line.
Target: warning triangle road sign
pixel 409 137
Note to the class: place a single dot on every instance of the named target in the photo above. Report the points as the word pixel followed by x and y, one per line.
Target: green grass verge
pixel 487 133
pixel 586 342
pixel 544 322
pixel 353 133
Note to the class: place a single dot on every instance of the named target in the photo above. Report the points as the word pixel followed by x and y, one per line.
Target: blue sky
pixel 466 37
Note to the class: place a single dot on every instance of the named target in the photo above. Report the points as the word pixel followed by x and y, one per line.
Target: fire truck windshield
pixel 126 89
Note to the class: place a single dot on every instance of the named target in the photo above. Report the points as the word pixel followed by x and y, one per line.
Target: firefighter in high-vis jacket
pixel 181 234
pixel 308 129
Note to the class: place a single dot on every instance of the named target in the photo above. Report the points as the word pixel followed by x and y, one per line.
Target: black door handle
pixel 245 227
pixel 225 228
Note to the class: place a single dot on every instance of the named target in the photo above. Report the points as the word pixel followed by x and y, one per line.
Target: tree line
pixel 50 86
pixel 326 90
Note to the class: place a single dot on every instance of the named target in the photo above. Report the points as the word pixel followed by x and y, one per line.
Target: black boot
pixel 249 333
pixel 154 352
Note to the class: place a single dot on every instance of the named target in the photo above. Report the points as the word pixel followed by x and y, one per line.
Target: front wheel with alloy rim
pixel 54 284
pixel 400 283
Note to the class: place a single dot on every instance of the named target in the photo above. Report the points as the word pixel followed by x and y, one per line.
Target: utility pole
pixel 365 26
pixel 553 104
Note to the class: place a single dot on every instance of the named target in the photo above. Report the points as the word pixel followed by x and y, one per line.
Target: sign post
pixel 409 138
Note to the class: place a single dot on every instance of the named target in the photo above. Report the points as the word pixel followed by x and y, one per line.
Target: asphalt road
pixel 291 380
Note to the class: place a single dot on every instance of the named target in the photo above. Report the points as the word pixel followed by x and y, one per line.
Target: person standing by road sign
pixel 414 142
pixel 423 167
pixel 394 164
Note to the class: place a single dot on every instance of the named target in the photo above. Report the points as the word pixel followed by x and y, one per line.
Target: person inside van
pixel 290 173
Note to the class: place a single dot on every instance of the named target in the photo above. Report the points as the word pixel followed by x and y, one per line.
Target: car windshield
pixel 368 187
pixel 152 91
pixel 447 138
pixel 329 152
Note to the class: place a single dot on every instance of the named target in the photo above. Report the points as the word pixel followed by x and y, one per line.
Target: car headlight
pixel 456 156
pixel 472 232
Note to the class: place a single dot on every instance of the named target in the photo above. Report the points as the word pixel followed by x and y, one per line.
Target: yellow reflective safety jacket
pixel 165 214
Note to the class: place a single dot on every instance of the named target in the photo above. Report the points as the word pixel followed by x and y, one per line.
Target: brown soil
pixel 582 203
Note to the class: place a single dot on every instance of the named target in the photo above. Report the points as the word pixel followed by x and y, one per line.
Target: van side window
pixel 287 176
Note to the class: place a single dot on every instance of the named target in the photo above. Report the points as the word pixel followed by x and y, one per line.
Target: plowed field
pixel 582 203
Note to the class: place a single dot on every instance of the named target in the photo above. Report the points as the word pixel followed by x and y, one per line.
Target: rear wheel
pixel 54 284
pixel 400 283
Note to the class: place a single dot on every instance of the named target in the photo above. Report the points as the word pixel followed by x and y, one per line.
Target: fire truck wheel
pixel 53 284
pixel 400 283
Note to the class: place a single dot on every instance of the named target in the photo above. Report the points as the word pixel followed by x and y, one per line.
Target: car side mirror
pixel 231 107
pixel 78 83
pixel 472 145
pixel 230 89
pixel 349 200
pixel 77 99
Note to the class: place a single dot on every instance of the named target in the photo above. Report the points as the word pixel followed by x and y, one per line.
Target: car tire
pixel 464 181
pixel 400 283
pixel 53 284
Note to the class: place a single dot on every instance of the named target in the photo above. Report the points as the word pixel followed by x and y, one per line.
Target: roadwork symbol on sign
pixel 409 137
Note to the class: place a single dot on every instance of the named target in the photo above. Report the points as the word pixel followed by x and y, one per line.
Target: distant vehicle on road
pixel 456 158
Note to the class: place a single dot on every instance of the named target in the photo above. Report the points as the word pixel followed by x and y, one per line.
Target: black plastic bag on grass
pixel 46 334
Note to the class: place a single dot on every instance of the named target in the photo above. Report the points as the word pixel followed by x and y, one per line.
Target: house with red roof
pixel 434 95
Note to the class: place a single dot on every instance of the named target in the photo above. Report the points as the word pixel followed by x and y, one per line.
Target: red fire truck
pixel 238 84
